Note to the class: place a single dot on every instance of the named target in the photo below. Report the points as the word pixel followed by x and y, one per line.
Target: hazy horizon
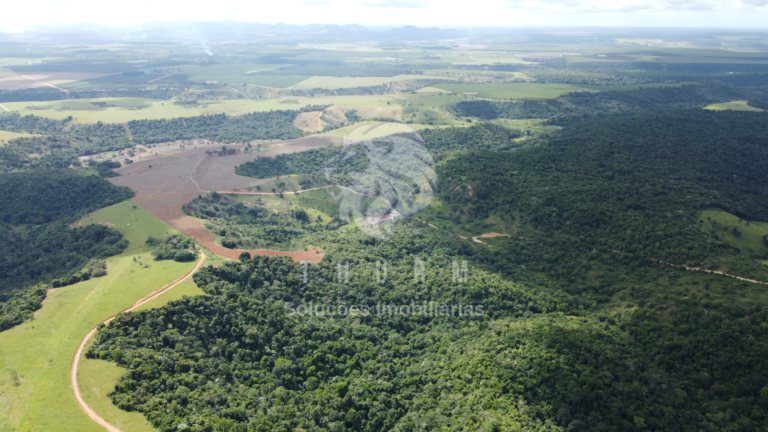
pixel 736 14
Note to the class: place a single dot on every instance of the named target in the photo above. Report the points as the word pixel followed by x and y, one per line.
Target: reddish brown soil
pixel 179 175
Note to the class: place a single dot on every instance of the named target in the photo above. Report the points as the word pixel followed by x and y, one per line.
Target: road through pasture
pixel 166 182
pixel 76 361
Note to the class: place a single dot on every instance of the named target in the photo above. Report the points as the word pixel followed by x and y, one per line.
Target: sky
pixel 15 16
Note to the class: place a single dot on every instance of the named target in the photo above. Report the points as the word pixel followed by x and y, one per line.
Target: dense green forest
pixel 97 132
pixel 621 189
pixel 218 127
pixel 255 226
pixel 47 195
pixel 439 142
pixel 306 162
pixel 535 359
pixel 176 247
pixel 482 136
pixel 36 209
pixel 574 107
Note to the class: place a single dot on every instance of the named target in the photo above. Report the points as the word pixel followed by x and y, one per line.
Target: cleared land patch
pixel 18 81
pixel 309 121
pixel 180 175
pixel 749 237
pixel 735 106
pixel 5 136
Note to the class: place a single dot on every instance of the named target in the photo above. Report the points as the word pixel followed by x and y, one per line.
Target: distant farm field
pixel 127 109
pixel 351 82
pixel 531 90
pixel 276 81
pixel 734 106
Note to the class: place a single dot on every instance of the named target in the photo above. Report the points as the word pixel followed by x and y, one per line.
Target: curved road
pixel 76 362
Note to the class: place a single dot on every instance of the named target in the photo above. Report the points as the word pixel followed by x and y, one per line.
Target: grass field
pixel 135 224
pixel 97 377
pixel 5 136
pixel 734 106
pixel 85 112
pixel 291 182
pixel 315 203
pixel 751 239
pixel 35 394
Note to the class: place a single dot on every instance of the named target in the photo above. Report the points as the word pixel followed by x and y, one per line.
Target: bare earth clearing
pixel 179 175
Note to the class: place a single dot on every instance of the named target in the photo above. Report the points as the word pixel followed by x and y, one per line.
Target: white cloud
pixel 409 4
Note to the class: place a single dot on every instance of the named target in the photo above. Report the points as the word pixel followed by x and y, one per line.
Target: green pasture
pixel 132 221
pixel 733 106
pixel 315 203
pixel 748 237
pixel 6 136
pixel 290 183
pixel 35 392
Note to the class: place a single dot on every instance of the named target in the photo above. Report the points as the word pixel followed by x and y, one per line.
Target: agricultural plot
pixel 276 81
pixel 18 81
pixel 226 73
pixel 488 58
pixel 351 82
pixel 734 106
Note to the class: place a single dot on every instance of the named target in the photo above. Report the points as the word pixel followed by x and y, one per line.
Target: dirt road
pixel 76 361
pixel 166 182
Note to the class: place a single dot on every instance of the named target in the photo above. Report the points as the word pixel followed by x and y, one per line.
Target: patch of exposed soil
pixel 178 176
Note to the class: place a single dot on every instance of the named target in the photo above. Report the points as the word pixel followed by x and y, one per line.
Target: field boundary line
pixel 158 79
pixel 301 82
pixel 76 361
pixel 45 83
pixel 1 105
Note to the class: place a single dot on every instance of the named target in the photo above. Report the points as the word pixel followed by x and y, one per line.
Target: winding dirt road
pixel 76 361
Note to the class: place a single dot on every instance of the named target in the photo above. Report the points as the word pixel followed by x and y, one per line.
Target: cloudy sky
pixel 17 15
